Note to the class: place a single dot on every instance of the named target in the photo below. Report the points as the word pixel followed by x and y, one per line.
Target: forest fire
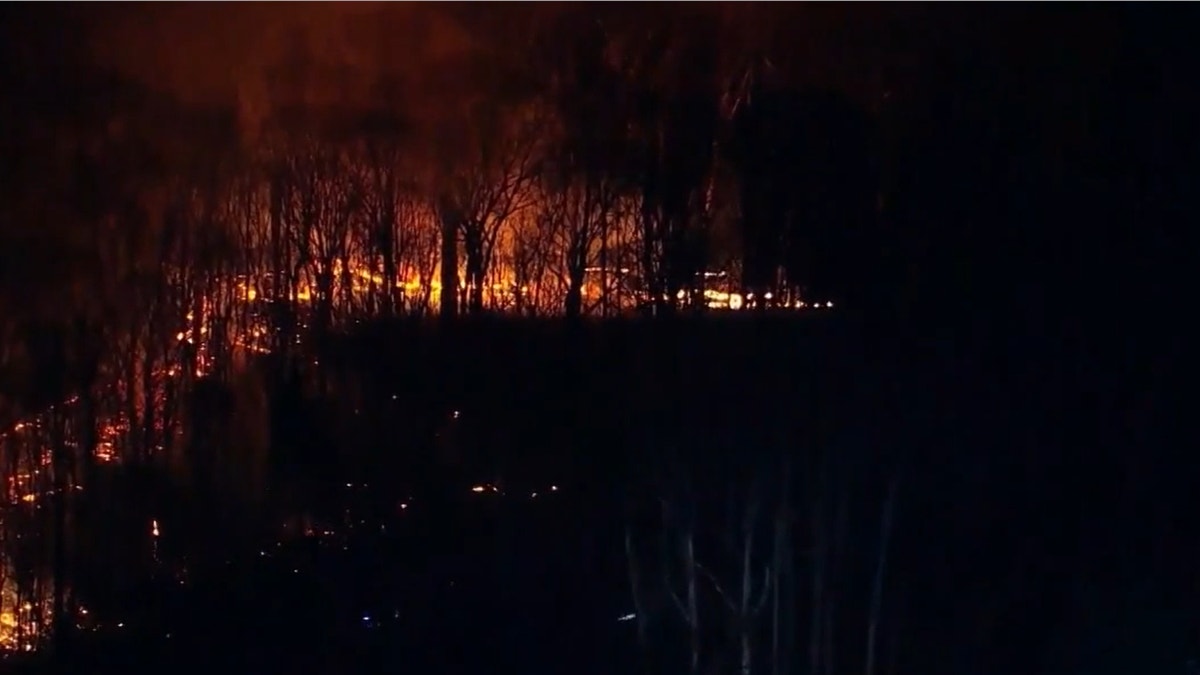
pixel 763 328
pixel 243 244
pixel 23 625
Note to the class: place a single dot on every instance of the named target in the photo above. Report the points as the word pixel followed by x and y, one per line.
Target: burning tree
pixel 585 179
pixel 321 201
pixel 60 226
pixel 492 185
pixel 387 199
pixel 160 252
pixel 576 216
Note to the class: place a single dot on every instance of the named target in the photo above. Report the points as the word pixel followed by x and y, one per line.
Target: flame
pixel 23 626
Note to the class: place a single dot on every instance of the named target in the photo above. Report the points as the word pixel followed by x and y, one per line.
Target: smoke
pixel 255 58
pixel 422 60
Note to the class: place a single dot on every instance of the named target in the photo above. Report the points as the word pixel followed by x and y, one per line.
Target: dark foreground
pixel 1041 527
pixel 505 583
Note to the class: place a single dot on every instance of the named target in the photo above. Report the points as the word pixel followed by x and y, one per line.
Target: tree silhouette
pixel 809 192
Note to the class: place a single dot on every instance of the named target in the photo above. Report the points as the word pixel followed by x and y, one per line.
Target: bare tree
pixel 323 200
pixel 419 223
pixel 745 606
pixel 666 587
pixel 538 289
pixel 384 196
pixel 782 604
pixel 577 213
pixel 491 185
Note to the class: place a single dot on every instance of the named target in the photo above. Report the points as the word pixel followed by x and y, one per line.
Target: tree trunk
pixel 281 339
pixel 693 608
pixel 61 463
pixel 744 610
pixel 639 607
pixel 573 307
pixel 149 401
pixel 817 599
pixel 476 274
pixel 782 570
pixel 131 382
pixel 604 308
pixel 689 610
pixel 449 294
pixel 387 232
pixel 885 532
pixel 651 281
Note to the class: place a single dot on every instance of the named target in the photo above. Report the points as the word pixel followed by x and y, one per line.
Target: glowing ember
pixel 25 617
